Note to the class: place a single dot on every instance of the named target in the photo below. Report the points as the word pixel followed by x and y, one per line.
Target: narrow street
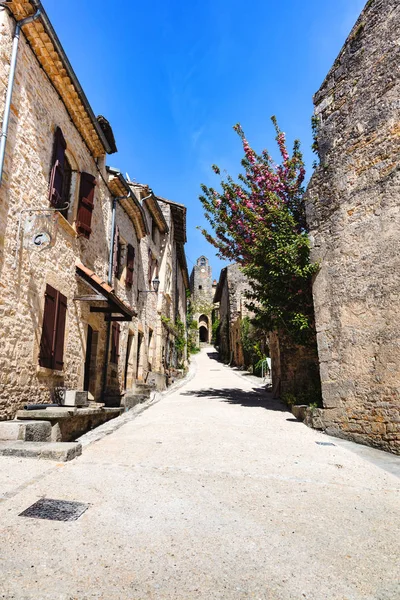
pixel 215 492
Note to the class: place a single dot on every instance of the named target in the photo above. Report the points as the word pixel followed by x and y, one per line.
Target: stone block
pixel 299 411
pixel 32 431
pixel 58 451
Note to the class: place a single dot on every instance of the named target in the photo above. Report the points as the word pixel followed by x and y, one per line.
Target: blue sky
pixel 173 77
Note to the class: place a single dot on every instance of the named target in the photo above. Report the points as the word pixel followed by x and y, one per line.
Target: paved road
pixel 213 493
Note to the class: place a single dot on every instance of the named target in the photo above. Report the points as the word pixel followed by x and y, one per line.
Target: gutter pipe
pixel 10 86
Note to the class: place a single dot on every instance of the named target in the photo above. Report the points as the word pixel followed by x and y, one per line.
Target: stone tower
pixel 202 289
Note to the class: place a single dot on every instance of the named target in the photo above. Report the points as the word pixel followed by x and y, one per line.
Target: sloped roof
pixel 105 290
pixel 51 56
pixel 121 189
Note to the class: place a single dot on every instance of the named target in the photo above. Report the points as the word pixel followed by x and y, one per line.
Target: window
pixel 51 353
pixel 130 264
pixel 60 174
pixel 200 287
pixel 86 204
pixel 115 343
pixel 202 261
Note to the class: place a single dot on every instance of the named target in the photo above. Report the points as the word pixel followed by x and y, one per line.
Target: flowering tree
pixel 259 222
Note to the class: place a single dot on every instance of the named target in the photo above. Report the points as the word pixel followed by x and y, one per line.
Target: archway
pixel 203 332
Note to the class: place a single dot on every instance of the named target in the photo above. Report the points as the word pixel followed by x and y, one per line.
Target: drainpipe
pixel 10 87
pixel 110 278
pixel 109 281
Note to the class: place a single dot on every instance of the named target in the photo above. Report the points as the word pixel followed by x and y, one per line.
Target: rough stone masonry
pixel 354 218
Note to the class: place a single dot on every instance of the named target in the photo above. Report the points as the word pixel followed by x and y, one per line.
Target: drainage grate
pixel 325 444
pixel 55 510
pixel 215 369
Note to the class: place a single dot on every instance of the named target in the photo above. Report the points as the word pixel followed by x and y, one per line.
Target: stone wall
pixel 36 111
pixel 232 311
pixel 354 218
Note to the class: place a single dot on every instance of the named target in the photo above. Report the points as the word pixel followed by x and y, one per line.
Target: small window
pixel 200 287
pixel 51 353
pixel 202 262
pixel 66 188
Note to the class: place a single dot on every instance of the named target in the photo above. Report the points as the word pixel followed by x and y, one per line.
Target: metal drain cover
pixel 55 510
pixel 325 444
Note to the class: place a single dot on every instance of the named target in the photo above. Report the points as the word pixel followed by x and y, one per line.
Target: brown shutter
pixel 60 333
pixel 130 264
pixel 48 328
pixel 86 204
pixel 117 252
pixel 53 330
pixel 57 170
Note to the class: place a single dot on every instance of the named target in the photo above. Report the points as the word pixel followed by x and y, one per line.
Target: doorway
pixel 128 374
pixel 138 356
pixel 203 331
pixel 89 379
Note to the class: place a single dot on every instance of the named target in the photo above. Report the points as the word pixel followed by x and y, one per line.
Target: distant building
pixel 230 295
pixel 202 290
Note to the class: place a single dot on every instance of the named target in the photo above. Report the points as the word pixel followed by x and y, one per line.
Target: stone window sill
pixel 66 225
pixel 45 372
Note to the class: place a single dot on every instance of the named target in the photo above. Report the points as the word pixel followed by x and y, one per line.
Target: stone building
pixel 73 236
pixel 202 291
pixel 230 295
pixel 354 217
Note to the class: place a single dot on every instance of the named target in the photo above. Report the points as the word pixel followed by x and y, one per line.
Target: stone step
pixel 131 400
pixel 30 431
pixel 58 451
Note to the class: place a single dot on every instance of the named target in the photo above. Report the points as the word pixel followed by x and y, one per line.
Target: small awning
pixel 105 293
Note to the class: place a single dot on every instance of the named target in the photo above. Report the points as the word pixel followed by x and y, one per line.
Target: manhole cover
pixel 55 510
pixel 325 444
pixel 215 369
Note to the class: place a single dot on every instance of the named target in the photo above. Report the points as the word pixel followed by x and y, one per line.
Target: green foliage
pixel 252 340
pixel 310 396
pixel 215 331
pixel 259 222
pixel 177 329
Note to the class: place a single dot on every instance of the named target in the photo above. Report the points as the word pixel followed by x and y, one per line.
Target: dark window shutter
pixel 130 264
pixel 60 333
pixel 86 204
pixel 115 343
pixel 117 251
pixel 53 330
pixel 57 170
pixel 48 328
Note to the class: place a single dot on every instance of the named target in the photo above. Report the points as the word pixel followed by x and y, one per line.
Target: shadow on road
pixel 252 399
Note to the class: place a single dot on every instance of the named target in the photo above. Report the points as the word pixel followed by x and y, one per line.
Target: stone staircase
pixel 139 394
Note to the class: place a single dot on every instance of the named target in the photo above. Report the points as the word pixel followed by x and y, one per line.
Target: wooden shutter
pixel 130 264
pixel 117 252
pixel 115 343
pixel 57 170
pixel 60 332
pixel 86 204
pixel 48 328
pixel 51 353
